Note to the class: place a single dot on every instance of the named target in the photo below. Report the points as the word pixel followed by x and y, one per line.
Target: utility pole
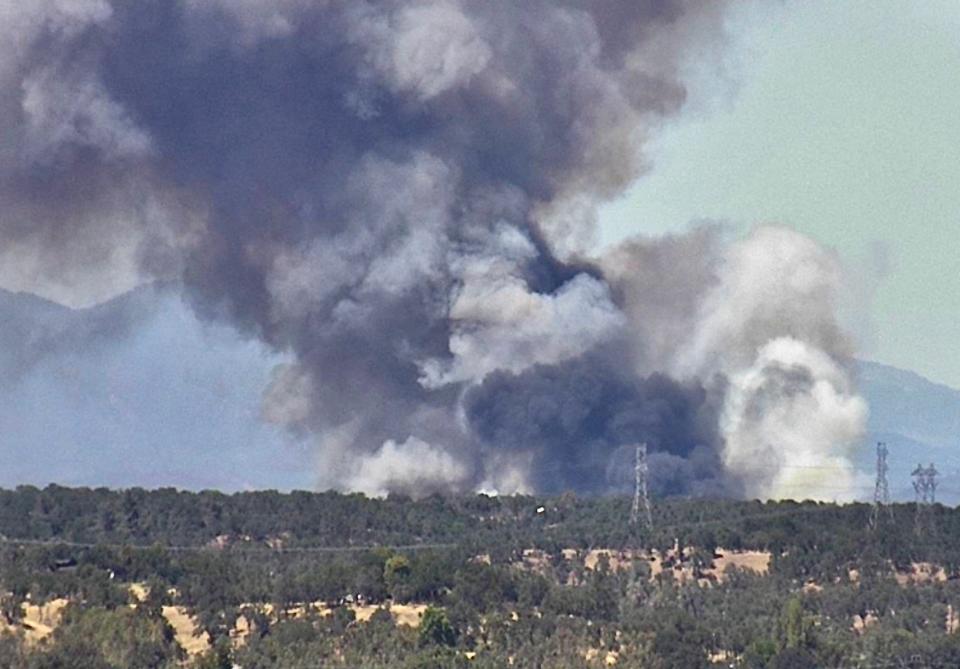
pixel 881 493
pixel 641 494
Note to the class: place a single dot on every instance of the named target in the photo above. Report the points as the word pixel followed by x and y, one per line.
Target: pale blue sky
pixel 841 119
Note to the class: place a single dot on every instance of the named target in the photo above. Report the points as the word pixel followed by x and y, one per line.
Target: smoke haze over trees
pixel 399 197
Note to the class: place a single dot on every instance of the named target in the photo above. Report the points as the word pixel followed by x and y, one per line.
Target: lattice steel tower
pixel 932 474
pixel 925 485
pixel 641 494
pixel 881 493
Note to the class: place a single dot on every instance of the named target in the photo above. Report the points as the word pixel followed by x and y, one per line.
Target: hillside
pixel 116 579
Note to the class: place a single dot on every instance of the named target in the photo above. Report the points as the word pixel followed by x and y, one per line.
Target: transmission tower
pixel 932 474
pixel 925 485
pixel 881 493
pixel 640 492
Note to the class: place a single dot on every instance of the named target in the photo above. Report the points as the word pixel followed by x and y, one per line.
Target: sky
pixel 842 120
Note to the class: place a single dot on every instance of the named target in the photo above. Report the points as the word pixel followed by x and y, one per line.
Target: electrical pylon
pixel 925 485
pixel 641 493
pixel 881 493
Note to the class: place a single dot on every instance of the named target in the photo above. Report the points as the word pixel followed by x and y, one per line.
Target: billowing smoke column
pixel 401 195
pixel 755 320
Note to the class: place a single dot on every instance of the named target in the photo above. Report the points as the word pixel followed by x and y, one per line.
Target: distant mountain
pixel 136 392
pixel 30 326
pixel 34 328
pixel 920 422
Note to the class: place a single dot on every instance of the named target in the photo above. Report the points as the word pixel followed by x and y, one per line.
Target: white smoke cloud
pixel 756 319
pixel 769 326
pixel 790 421
pixel 507 474
pixel 423 48
pixel 137 227
pixel 775 282
pixel 287 398
pixel 413 466
pixel 21 22
pixel 63 112
pixel 59 106
pixel 394 243
pixel 106 229
pixel 507 327
pixel 255 20
pixel 662 282
pixel 499 323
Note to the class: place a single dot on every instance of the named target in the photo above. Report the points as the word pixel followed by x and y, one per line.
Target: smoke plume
pixel 401 196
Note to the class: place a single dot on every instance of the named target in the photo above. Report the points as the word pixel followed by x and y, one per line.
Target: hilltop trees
pixel 501 578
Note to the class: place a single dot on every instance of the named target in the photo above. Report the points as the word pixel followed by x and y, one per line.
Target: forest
pixel 297 580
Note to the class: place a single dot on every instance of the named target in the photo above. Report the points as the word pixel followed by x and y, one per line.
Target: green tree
pixel 679 643
pixel 435 628
pixel 115 638
pixel 797 627
pixel 396 576
pixel 794 658
pixel 216 657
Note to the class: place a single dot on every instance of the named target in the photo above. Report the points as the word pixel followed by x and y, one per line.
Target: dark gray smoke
pixel 398 193
pixel 580 419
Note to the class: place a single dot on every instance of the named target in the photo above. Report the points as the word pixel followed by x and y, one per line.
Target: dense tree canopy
pixel 502 577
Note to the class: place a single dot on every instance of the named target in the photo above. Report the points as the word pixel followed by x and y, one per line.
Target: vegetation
pixel 317 580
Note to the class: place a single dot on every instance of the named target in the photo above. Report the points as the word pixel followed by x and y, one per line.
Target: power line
pixel 53 543
pixel 557 466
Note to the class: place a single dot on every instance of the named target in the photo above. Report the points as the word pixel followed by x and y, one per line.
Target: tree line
pixel 257 556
